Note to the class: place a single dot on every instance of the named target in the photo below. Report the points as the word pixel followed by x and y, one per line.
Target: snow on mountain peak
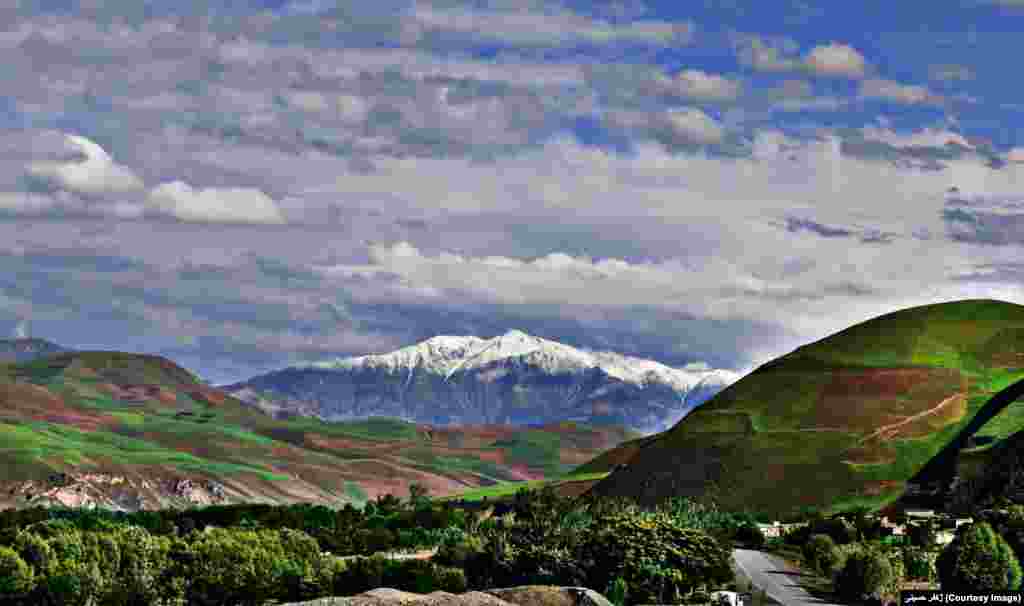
pixel 445 354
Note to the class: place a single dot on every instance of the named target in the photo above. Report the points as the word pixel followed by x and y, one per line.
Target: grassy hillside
pixel 151 423
pixel 844 421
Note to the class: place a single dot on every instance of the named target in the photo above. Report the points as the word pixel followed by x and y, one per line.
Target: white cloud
pixel 552 28
pixel 928 137
pixel 695 126
pixel 877 88
pixel 836 59
pixel 214 205
pixel 95 175
pixel 702 86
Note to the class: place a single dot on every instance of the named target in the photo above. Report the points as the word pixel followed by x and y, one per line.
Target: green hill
pixel 138 431
pixel 847 420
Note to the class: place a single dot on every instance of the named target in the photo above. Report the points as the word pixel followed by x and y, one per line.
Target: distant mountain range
pixel 23 350
pixel 514 378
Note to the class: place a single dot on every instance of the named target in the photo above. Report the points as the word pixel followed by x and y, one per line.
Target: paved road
pixel 778 579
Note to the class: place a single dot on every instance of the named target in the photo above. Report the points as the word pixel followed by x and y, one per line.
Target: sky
pixel 259 184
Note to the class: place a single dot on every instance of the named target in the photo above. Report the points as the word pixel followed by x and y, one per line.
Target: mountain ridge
pixel 512 378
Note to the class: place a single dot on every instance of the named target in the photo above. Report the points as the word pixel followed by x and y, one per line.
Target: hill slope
pixel 514 378
pixel 846 420
pixel 133 431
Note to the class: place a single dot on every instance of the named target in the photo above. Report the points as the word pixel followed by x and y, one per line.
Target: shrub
pixel 361 574
pixel 978 559
pixel 452 580
pixel 918 564
pixel 617 591
pixel 16 577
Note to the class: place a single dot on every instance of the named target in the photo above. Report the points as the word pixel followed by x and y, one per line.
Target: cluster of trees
pixel 52 563
pixel 861 567
pixel 384 524
pixel 252 554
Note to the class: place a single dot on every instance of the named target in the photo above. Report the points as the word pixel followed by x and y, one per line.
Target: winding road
pixel 776 577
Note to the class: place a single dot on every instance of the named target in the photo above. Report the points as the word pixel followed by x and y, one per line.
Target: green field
pixel 509 489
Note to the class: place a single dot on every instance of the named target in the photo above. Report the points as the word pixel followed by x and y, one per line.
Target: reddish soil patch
pixel 1007 359
pixel 865 399
pixel 880 486
pixel 332 443
pixel 494 456
pixel 140 393
pixel 872 452
pixel 207 395
pixel 35 402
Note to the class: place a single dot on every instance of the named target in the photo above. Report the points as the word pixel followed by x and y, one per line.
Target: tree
pixel 750 534
pixel 841 531
pixel 865 574
pixel 922 535
pixel 16 578
pixel 821 554
pixel 978 559
pixel 418 496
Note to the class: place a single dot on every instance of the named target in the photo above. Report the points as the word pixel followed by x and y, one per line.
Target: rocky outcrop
pixel 527 595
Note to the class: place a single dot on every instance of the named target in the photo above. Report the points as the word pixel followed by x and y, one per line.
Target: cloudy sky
pixel 695 182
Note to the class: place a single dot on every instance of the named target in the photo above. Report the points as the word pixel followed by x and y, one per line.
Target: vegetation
pixel 254 554
pixel 979 559
pixel 821 554
pixel 865 574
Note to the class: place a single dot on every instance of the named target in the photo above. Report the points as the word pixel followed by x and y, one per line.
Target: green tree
pixel 918 564
pixel 16 577
pixel 418 496
pixel 922 535
pixel 865 574
pixel 750 534
pixel 978 559
pixel 617 591
pixel 820 553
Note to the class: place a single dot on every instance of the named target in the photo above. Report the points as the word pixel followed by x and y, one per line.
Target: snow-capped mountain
pixel 23 350
pixel 514 378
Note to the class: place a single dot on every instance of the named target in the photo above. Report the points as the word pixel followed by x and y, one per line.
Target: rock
pixel 547 595
pixel 527 595
pixel 394 597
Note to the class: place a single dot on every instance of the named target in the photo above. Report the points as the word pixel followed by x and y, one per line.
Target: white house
pixel 725 598
pixel 897 529
pixel 771 530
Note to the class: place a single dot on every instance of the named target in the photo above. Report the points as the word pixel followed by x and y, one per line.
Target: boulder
pixel 527 595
